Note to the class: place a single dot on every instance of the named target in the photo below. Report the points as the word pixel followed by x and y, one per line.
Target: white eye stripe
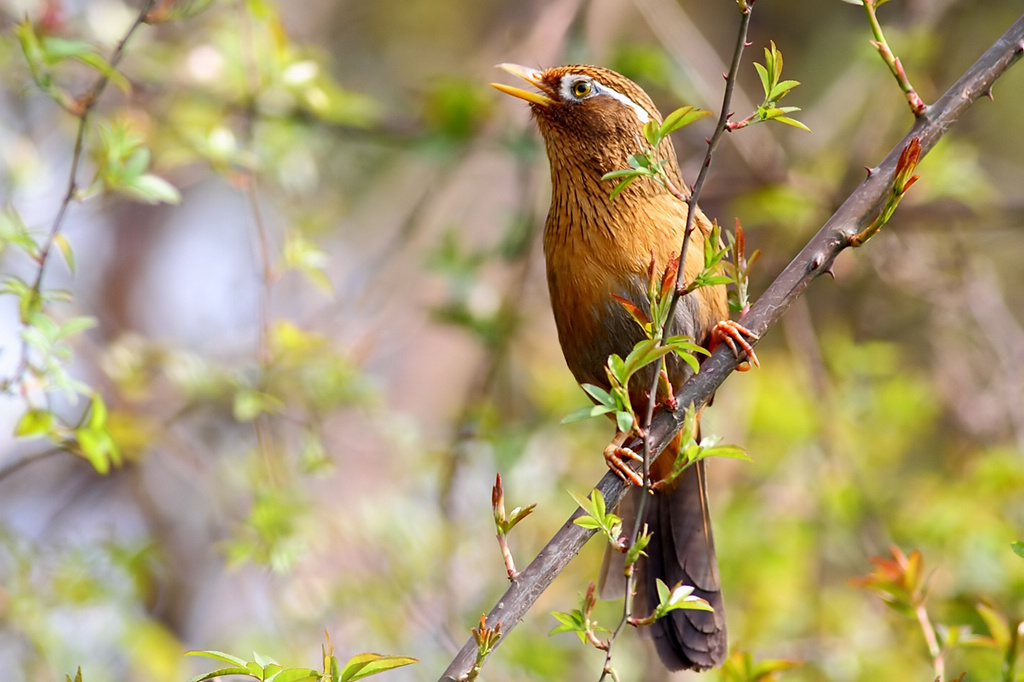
pixel 569 80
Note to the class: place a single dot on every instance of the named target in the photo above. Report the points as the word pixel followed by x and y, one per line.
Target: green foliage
pixel 679 598
pixel 580 621
pixel 690 451
pixel 503 522
pixel 266 669
pixel 340 434
pixel 597 516
pixel 742 667
pixel 121 164
pixel 738 270
pixel 775 89
pixel 486 639
pixel 45 54
pixel 646 163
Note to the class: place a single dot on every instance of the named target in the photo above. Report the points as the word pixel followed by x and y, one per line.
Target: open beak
pixel 531 76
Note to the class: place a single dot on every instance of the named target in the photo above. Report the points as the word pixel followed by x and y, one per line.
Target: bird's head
pixel 588 115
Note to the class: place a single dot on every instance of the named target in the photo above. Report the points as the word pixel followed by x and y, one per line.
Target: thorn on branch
pixel 903 179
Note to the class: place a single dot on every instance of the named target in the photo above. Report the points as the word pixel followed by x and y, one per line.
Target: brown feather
pixel 595 249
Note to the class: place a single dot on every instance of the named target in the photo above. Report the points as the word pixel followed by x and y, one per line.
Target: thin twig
pixel 261 425
pixel 85 104
pixel 17 465
pixel 815 259
pixel 691 200
pixel 917 105
pixel 938 660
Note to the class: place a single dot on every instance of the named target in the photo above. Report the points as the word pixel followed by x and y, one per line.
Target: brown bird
pixel 591 120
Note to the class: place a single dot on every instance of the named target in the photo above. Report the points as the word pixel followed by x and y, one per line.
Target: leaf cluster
pixel 266 669
pixel 646 164
pixel 775 88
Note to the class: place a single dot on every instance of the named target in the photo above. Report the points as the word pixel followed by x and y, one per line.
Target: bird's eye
pixel 582 88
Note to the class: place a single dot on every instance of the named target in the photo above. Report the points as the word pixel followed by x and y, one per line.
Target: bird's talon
pixel 616 456
pixel 735 336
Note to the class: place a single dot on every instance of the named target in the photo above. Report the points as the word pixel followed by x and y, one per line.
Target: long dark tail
pixel 683 550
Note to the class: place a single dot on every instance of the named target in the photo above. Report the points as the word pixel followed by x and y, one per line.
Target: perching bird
pixel 591 120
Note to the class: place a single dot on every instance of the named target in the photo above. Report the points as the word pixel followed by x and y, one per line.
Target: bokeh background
pixel 317 362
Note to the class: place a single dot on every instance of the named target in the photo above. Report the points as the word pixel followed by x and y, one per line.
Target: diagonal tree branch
pixel 815 259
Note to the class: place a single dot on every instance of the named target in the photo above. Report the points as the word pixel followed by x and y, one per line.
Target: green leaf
pixel 588 522
pixel 14 232
pixel 781 89
pixel 97 412
pixel 137 163
pixel 622 185
pixel 303 255
pixel 624 421
pixel 685 343
pixel 570 622
pixel 640 162
pixel 617 368
pixel 600 508
pixel 600 395
pixel 652 134
pixel 364 665
pixel 35 423
pixel 644 353
pixel 65 249
pixel 220 673
pixel 632 173
pixel 250 403
pixel 680 118
pixel 59 49
pixel 586 413
pixel 220 656
pixel 765 83
pixel 996 623
pixel 690 361
pixel 680 597
pixel 297 675
pixel 75 326
pixel 97 447
pixel 596 515
pixel 584 503
pixel 152 189
pixel 263 661
pixel 726 451
pixel 1018 548
pixel 792 122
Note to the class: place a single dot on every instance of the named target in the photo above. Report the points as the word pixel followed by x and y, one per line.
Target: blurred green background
pixel 315 364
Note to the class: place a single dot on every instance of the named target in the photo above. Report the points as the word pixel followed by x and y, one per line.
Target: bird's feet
pixel 617 456
pixel 735 336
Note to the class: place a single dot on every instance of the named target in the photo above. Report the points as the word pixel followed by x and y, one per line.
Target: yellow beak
pixel 531 76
